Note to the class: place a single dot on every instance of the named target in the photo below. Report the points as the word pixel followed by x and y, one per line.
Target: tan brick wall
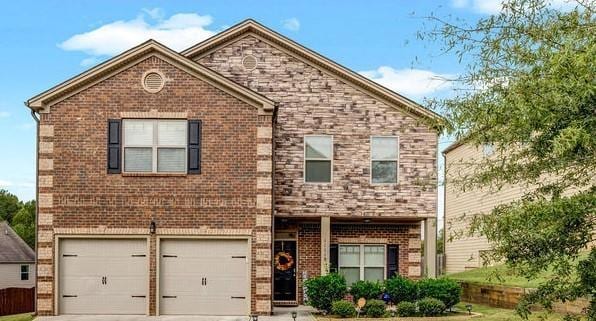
pixel 77 196
pixel 313 102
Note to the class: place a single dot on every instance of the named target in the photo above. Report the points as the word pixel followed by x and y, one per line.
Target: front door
pixel 284 285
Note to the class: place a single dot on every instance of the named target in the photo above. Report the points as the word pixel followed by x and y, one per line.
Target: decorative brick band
pixel 414 243
pixel 264 201
pixel 203 231
pixel 264 166
pixel 263 220
pixel 264 150
pixel 362 239
pixel 45 235
pixel 263 237
pixel 263 271
pixel 44 287
pixel 46 164
pixel 264 182
pixel 413 270
pixel 264 288
pixel 44 253
pixel 101 230
pixel 154 114
pixel 46 181
pixel 44 270
pixel 44 305
pixel 46 130
pixel 45 218
pixel 263 306
pixel 46 147
pixel 414 257
pixel 263 255
pixel 45 200
pixel 264 132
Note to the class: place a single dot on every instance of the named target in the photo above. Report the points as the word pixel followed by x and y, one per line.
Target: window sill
pixel 153 174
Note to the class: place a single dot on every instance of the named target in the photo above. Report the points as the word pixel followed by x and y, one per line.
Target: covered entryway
pixel 103 276
pixel 204 277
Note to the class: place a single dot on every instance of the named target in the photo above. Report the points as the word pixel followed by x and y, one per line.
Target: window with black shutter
pixel 114 146
pixel 194 146
pixel 392 260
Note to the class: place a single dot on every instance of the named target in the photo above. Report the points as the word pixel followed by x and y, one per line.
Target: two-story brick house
pixel 214 180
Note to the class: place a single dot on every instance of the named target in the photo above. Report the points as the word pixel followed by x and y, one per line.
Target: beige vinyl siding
pixel 10 276
pixel 463 251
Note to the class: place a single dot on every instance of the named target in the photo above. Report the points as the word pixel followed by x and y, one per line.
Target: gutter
pixel 35 117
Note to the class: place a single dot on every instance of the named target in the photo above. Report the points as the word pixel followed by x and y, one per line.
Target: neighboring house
pixel 462 251
pixel 17 260
pixel 213 181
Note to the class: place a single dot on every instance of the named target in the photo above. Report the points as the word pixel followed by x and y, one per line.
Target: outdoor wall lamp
pixel 152 227
pixel 255 317
pixel 294 315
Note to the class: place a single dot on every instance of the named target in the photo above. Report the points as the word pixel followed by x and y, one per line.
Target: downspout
pixel 444 262
pixel 35 117
pixel 273 125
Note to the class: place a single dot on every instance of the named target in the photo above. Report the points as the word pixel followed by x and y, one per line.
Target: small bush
pixel 401 289
pixel 366 289
pixel 343 308
pixel 430 307
pixel 444 289
pixel 323 290
pixel 375 308
pixel 406 309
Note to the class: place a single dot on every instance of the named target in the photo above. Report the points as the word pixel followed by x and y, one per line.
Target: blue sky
pixel 46 42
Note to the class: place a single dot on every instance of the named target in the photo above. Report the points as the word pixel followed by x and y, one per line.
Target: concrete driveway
pixel 279 314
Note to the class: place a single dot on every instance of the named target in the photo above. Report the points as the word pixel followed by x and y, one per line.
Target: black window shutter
pixel 114 144
pixel 194 147
pixel 333 258
pixel 392 260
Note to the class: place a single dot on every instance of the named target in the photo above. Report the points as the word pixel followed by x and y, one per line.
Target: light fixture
pixel 294 315
pixel 367 220
pixel 254 317
pixel 469 308
pixel 152 227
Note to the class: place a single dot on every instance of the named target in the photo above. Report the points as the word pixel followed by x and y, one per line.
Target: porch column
pixel 325 243
pixel 430 247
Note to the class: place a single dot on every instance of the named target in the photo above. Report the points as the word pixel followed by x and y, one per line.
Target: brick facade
pixel 78 197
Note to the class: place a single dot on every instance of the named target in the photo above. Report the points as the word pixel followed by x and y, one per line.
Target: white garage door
pixel 100 276
pixel 208 277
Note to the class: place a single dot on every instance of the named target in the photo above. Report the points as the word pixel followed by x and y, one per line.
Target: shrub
pixel 343 308
pixel 444 289
pixel 366 289
pixel 406 309
pixel 323 290
pixel 401 289
pixel 430 307
pixel 375 308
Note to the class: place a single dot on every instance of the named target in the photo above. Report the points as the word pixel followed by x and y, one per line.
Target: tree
pixel 23 223
pixel 529 88
pixel 9 205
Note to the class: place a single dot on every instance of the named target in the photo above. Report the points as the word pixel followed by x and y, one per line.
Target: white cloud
pixel 87 62
pixel 495 6
pixel 178 32
pixel 4 114
pixel 292 24
pixel 5 183
pixel 409 82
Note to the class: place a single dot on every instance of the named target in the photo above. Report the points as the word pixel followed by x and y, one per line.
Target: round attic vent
pixel 249 62
pixel 153 81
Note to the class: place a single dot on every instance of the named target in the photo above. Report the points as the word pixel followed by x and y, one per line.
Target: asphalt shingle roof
pixel 12 247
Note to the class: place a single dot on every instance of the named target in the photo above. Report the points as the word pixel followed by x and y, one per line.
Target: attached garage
pixel 103 276
pixel 204 277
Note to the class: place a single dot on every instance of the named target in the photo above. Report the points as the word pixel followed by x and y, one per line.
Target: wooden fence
pixel 16 300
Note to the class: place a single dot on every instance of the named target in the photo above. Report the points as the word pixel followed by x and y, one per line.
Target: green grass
pixel 498 275
pixel 496 314
pixel 17 317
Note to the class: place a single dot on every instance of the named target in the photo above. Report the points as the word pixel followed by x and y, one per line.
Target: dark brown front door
pixel 284 275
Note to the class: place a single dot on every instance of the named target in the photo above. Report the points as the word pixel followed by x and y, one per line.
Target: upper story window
pixel 155 146
pixel 362 262
pixel 318 159
pixel 24 272
pixel 384 155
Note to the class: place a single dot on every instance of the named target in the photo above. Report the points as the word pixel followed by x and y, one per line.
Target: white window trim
pixel 372 160
pixel 362 266
pixel 320 159
pixel 155 145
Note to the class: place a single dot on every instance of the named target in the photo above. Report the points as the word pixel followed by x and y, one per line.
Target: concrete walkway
pixel 279 314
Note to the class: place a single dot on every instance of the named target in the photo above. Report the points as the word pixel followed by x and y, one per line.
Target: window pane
pixel 318 147
pixel 384 148
pixel 138 159
pixel 374 274
pixel 171 133
pixel 351 274
pixel 24 268
pixel 374 255
pixel 318 171
pixel 138 133
pixel 349 255
pixel 171 160
pixel 384 172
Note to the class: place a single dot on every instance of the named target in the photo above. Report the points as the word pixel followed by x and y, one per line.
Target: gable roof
pixel 46 99
pixel 12 248
pixel 251 27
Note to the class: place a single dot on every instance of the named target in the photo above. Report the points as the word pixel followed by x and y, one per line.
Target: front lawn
pixel 17 317
pixel 487 314
pixel 497 275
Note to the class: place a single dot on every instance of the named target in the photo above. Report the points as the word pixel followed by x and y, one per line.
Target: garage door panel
pixel 223 266
pixel 103 276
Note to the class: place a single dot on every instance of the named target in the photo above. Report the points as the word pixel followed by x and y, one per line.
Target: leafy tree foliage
pixel 9 205
pixel 23 223
pixel 530 90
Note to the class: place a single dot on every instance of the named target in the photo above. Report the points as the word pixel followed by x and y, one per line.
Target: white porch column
pixel 430 247
pixel 325 243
